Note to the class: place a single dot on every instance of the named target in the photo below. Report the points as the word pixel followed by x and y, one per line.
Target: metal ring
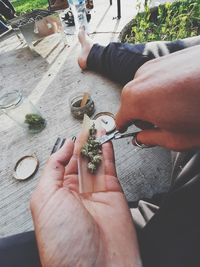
pixel 136 143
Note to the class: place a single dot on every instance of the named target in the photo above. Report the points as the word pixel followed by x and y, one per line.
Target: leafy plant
pixel 23 6
pixel 169 21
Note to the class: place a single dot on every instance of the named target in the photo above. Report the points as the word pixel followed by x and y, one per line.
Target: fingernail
pixel 74 139
pixel 62 143
pixel 54 149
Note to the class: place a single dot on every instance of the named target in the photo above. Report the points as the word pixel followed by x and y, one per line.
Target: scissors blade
pixel 105 138
pixel 115 135
pixel 124 135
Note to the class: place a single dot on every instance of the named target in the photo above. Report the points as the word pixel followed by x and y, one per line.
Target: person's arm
pixel 88 230
pixel 165 93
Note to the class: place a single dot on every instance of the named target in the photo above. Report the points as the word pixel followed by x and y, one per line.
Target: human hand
pixel 72 229
pixel 165 93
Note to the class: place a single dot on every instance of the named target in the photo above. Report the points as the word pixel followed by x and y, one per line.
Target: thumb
pixel 52 177
pixel 128 110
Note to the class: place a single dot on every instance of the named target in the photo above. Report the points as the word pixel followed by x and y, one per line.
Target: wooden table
pixel 49 81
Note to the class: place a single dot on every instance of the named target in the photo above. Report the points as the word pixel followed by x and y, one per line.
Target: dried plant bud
pixel 97 159
pixel 92 167
pixel 34 121
pixel 91 154
pixel 84 152
pixel 92 150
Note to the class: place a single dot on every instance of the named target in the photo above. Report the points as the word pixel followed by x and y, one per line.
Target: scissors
pixel 115 135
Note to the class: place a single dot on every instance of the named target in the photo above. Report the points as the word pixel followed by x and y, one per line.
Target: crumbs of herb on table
pixel 92 150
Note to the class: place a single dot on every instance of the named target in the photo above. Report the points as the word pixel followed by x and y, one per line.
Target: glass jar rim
pixel 10 99
pixel 78 97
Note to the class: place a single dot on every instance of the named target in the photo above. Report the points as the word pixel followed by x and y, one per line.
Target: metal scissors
pixel 115 135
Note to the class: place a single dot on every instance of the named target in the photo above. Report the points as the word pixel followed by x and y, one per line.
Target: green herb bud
pixel 92 167
pixel 92 150
pixel 96 159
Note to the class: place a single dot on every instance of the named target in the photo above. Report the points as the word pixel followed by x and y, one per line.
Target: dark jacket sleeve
pixel 172 237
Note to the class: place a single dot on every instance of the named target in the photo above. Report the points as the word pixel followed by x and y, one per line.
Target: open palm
pixel 72 229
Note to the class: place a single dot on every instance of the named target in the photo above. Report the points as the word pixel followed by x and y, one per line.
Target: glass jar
pixel 22 111
pixel 78 111
pixel 79 12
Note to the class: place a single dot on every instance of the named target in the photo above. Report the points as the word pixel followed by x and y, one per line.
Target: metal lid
pixel 107 121
pixel 25 167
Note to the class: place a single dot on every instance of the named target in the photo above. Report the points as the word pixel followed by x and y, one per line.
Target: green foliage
pixel 23 6
pixel 169 21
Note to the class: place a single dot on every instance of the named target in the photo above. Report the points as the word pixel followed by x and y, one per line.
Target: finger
pixel 171 140
pixel 109 159
pixel 55 167
pixel 52 178
pixel 122 121
pixel 80 141
pixel 112 183
pixel 143 124
pixel 72 166
pixel 129 108
pixel 150 137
